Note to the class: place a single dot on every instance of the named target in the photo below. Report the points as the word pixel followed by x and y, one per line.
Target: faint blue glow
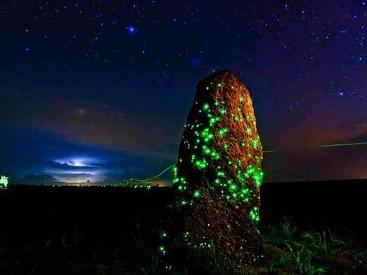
pixel 78 169
pixel 78 161
pixel 131 29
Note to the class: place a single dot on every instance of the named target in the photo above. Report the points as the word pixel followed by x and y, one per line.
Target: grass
pixel 292 251
pixel 288 250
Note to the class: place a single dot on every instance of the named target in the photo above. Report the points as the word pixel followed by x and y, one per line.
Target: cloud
pixel 37 179
pixel 97 124
pixel 25 151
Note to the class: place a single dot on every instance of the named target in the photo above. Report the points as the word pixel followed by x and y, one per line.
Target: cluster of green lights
pixel 256 173
pixel 203 155
pixel 4 182
pixel 162 249
pixel 254 214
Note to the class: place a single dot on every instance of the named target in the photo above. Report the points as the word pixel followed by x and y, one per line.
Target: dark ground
pixel 107 230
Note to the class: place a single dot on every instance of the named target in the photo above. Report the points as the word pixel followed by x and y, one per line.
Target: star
pixel 131 29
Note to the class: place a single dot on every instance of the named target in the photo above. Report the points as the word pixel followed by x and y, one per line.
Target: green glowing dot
pixel 196 194
pixel 201 164
pixel 206 106
pixel 207 135
pixel 256 174
pixel 232 187
pixel 254 214
pixel 222 131
pixel 249 130
pixel 162 249
pixel 206 150
pixel 163 234
pixel 215 155
pixel 213 121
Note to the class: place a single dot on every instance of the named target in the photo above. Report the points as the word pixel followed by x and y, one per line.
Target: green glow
pixel 162 249
pixel 254 214
pixel 174 171
pixel 234 186
pixel 214 155
pixel 201 164
pixel 207 135
pixel 196 194
pixel 206 150
pixel 206 107
pixel 256 173
pixel 220 173
pixel 213 121
pixel 183 202
pixel 223 111
pixel 222 131
pixel 163 234
pixel 4 181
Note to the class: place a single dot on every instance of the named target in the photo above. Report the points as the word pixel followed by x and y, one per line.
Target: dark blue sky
pixel 99 90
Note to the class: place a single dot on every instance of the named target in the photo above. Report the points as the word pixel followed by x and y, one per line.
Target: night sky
pixel 100 90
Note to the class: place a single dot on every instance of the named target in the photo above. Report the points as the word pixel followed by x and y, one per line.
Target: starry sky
pixel 99 90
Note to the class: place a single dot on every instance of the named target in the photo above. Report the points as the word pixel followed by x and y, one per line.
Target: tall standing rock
pixel 218 174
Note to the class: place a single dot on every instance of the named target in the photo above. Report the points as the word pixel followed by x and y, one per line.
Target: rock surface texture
pixel 218 174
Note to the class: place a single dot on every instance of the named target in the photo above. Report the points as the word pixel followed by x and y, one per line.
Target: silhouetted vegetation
pixel 95 230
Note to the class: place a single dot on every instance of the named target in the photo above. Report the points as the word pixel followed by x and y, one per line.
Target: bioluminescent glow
pixel 203 154
pixel 4 181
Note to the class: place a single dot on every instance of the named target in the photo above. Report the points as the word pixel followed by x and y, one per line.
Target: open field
pixel 108 230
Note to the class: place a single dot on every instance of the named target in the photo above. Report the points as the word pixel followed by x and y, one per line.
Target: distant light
pixel 77 163
pixel 27 49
